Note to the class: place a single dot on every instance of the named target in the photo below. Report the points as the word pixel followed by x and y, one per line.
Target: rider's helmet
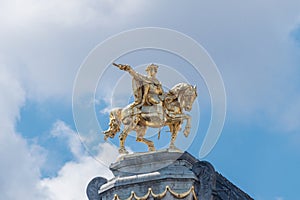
pixel 152 66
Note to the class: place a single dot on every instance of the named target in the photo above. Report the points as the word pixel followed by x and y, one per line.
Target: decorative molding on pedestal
pixel 190 194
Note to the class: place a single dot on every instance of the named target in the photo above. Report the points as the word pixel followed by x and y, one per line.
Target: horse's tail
pixel 114 123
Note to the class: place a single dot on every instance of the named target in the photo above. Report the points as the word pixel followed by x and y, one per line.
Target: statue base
pixel 164 174
pixel 140 163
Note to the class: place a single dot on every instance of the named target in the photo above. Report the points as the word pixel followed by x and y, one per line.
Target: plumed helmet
pixel 152 66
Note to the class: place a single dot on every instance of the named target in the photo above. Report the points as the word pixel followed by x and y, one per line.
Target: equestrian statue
pixel 152 107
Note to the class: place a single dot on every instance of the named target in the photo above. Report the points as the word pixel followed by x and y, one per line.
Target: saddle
pixel 153 114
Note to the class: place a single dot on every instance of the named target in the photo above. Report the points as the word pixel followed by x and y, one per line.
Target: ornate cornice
pixel 150 193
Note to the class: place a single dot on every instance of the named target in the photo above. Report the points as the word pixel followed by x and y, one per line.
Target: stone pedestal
pixel 162 175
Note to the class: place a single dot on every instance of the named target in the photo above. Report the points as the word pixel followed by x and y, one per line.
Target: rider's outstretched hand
pixel 124 67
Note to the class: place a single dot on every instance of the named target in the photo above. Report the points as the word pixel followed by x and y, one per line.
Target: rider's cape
pixel 138 90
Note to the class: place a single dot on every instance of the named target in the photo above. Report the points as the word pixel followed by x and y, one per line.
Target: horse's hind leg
pixel 140 133
pixel 122 137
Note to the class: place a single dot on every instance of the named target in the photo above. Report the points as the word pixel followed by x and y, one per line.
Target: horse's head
pixel 187 97
pixel 114 124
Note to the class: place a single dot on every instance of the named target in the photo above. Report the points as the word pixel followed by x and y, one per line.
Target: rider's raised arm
pixel 138 76
pixel 133 73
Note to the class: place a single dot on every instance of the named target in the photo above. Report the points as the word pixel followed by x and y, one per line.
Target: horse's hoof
pixel 186 133
pixel 151 149
pixel 172 147
pixel 123 151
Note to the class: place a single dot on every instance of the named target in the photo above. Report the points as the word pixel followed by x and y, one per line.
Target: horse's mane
pixel 178 88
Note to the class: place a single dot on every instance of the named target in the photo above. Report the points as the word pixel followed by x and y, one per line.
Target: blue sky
pixel 254 44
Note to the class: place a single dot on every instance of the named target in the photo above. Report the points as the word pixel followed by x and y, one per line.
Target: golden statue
pixel 152 108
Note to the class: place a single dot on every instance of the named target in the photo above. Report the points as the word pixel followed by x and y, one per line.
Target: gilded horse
pixel 170 112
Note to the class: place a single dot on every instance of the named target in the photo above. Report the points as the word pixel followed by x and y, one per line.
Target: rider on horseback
pixel 152 108
pixel 147 89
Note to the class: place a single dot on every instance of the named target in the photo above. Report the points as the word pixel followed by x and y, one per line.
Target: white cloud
pixel 46 41
pixel 42 46
pixel 61 130
pixel 20 162
pixel 67 13
pixel 73 177
pixel 12 97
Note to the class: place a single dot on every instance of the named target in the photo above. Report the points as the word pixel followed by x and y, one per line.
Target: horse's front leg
pixel 183 116
pixel 122 138
pixel 186 117
pixel 187 127
pixel 128 127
